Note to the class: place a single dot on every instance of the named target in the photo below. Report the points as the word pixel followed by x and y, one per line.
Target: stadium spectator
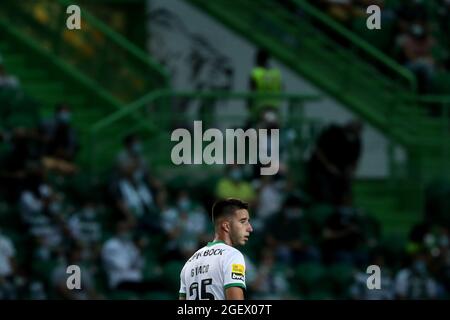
pixel 287 233
pixel 415 282
pixel 270 198
pixel 264 79
pixel 333 163
pixel 86 230
pixel 416 47
pixel 131 158
pixel 59 278
pixel 7 268
pixel 233 185
pixel 359 289
pixel 185 226
pixel 343 236
pixel 41 211
pixel 59 136
pixel 268 282
pixel 14 169
pixel 124 263
pixel 135 200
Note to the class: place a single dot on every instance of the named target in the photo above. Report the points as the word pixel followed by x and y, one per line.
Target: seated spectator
pixel 124 263
pixel 131 158
pixel 359 289
pixel 233 185
pixel 86 230
pixel 415 281
pixel 7 268
pixel 342 237
pixel 185 225
pixel 288 234
pixel 41 211
pixel 268 283
pixel 135 201
pixel 59 137
pixel 59 278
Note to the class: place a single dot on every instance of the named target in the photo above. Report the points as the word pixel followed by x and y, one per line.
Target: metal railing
pixel 159 110
pixel 104 56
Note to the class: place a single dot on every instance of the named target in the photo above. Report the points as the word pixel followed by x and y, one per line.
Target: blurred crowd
pixel 132 232
pixel 414 33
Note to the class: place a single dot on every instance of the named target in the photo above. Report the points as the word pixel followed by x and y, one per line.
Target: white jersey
pixel 211 270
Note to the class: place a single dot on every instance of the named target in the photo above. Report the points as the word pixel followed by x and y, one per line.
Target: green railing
pixel 158 110
pixel 360 45
pixel 112 62
pixel 358 76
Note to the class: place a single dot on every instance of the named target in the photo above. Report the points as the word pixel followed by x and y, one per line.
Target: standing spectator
pixel 264 79
pixel 333 163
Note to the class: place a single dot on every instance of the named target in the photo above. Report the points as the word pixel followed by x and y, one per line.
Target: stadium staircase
pixel 363 79
pixel 95 70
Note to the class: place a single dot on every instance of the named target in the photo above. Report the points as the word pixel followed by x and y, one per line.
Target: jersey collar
pixel 214 242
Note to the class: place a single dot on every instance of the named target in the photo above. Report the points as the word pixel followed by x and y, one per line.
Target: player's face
pixel 240 227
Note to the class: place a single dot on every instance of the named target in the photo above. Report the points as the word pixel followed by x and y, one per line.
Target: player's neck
pixel 224 238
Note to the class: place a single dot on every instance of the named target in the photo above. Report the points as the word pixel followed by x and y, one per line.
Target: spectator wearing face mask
pixel 124 262
pixel 131 160
pixel 415 281
pixel 233 185
pixel 288 234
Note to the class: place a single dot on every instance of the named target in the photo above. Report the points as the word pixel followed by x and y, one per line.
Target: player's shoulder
pixel 226 251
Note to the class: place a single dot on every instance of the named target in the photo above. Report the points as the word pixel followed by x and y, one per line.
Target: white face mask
pixel 64 116
pixel 236 174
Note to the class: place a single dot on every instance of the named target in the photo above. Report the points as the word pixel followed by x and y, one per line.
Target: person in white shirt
pixel 7 267
pixel 124 262
pixel 217 271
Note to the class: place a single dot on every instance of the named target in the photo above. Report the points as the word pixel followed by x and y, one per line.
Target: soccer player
pixel 217 271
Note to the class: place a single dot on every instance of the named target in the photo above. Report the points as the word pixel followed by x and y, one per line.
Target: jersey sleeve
pixel 234 270
pixel 182 292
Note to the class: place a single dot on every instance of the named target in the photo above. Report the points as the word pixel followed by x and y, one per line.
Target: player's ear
pixel 226 225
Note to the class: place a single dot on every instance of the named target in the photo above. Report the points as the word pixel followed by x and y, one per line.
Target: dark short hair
pixel 227 207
